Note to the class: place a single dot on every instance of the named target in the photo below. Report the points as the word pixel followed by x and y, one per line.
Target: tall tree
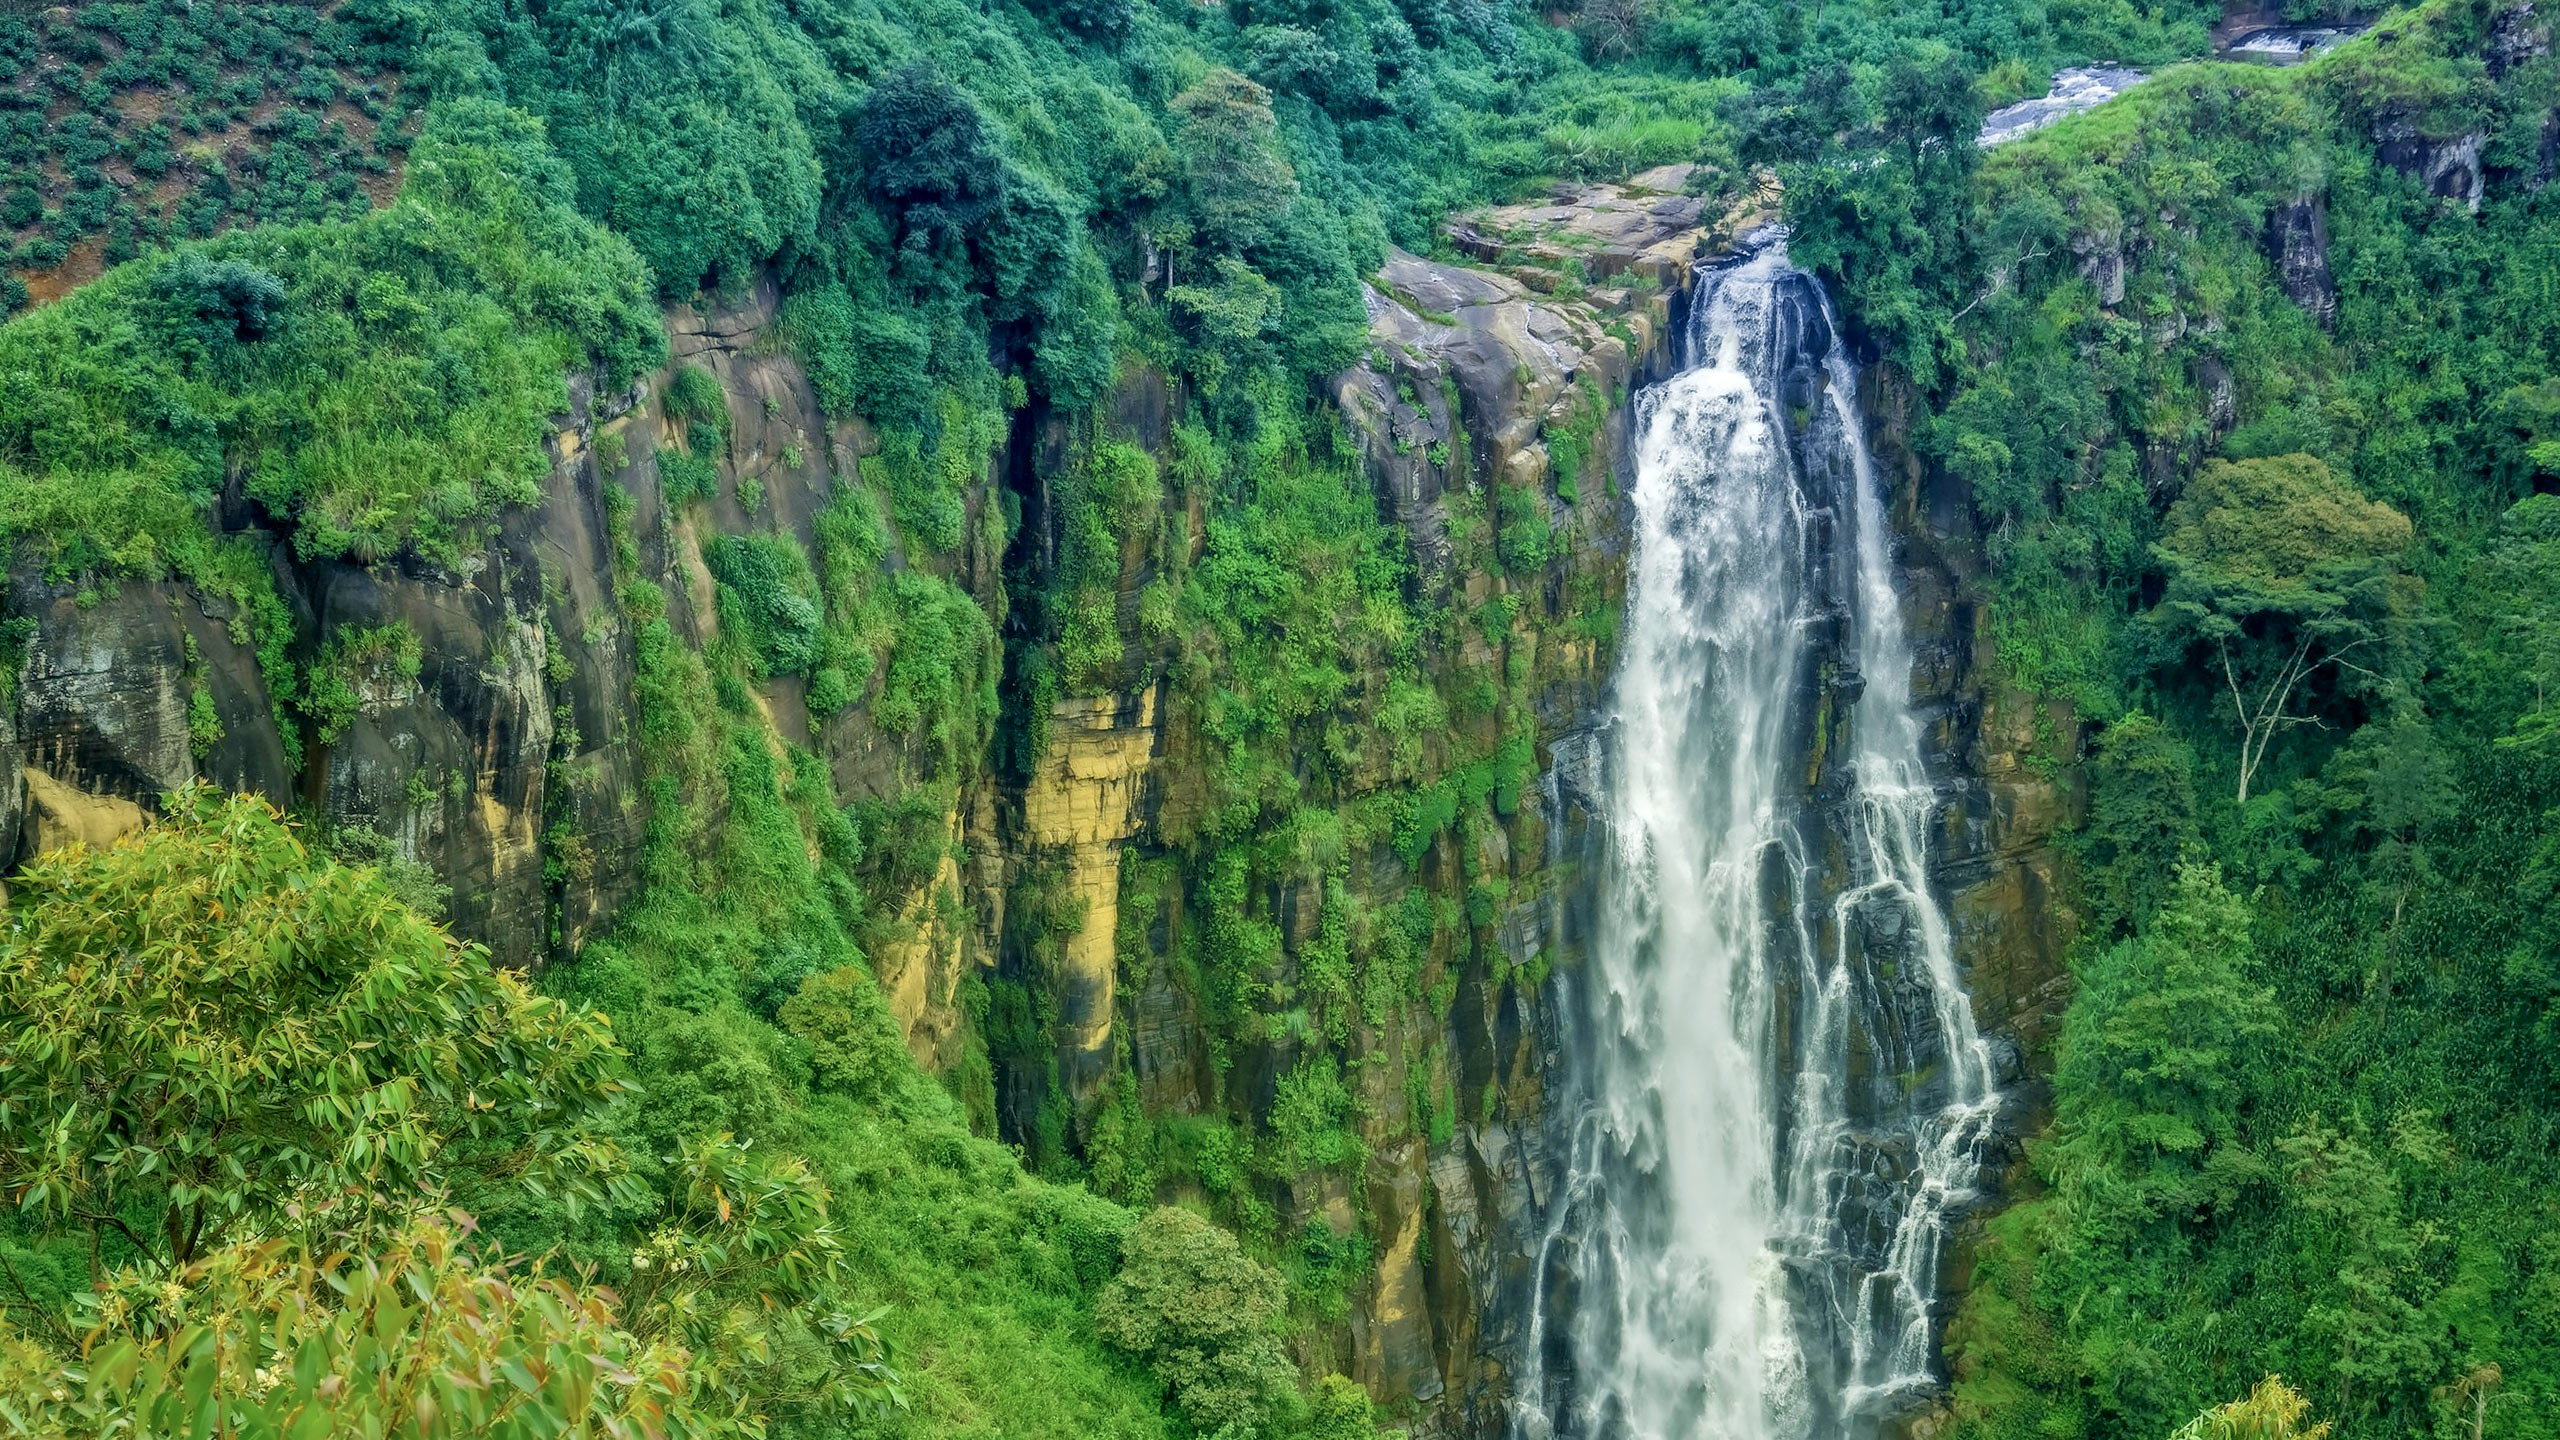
pixel 1205 1314
pixel 1235 179
pixel 2158 1054
pixel 2142 819
pixel 2280 578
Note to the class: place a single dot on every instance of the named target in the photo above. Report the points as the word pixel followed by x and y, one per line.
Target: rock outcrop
pixel 505 759
pixel 58 815
pixel 2298 242
pixel 2447 165
pixel 1081 806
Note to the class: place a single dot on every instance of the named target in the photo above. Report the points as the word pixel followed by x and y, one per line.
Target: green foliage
pixel 2142 822
pixel 1312 1118
pixel 768 600
pixel 2154 1062
pixel 903 841
pixel 307 1062
pixel 426 1337
pixel 694 397
pixel 1297 603
pixel 1522 534
pixel 971 214
pixel 939 686
pixel 1203 1314
pixel 2514 610
pixel 1236 180
pixel 2373 1315
pixel 1107 502
pixel 2286 577
pixel 384 382
pixel 2272 536
pixel 2273 1411
pixel 928 473
pixel 204 723
pixel 412 883
pixel 1340 1410
pixel 2345 1181
pixel 854 1045
pixel 688 475
pixel 358 665
pixel 740 985
pixel 300 1037
pixel 862 359
pixel 1879 226
pixel 746 1266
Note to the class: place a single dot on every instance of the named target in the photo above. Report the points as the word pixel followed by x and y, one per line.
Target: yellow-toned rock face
pixel 1084 801
pixel 919 965
pixel 58 815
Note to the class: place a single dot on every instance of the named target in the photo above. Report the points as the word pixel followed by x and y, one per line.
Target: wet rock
pixel 1644 227
pixel 2101 262
pixel 2074 90
pixel 1082 805
pixel 1169 1047
pixel 1393 1334
pixel 2287 44
pixel 2221 398
pixel 2518 36
pixel 103 695
pixel 2298 243
pixel 451 766
pixel 2448 166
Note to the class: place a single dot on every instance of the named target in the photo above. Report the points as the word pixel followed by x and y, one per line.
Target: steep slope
pixel 1136 927
pixel 2242 380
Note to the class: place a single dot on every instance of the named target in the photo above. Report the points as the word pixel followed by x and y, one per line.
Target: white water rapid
pixel 1777 1090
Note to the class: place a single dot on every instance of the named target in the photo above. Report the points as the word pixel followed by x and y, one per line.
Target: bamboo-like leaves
pixel 208 1019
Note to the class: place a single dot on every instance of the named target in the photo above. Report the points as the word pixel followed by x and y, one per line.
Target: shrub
pixel 830 690
pixel 694 397
pixel 428 1338
pixel 768 600
pixel 688 475
pixel 863 359
pixel 855 1047
pixel 359 1040
pixel 1193 1305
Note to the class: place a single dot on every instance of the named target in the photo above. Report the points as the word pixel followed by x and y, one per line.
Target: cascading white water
pixel 1777 1090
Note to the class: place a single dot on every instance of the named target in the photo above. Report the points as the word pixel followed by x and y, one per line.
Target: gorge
pixel 1280 720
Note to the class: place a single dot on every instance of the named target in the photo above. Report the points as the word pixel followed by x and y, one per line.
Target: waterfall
pixel 1776 1093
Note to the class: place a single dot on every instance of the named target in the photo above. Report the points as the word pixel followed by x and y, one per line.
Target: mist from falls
pixel 1776 1094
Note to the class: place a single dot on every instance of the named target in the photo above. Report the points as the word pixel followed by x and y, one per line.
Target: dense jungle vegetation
pixel 2285 555
pixel 2286 541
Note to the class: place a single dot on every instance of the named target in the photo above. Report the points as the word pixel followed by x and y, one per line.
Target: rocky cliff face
pixel 501 751
pixel 461 759
pixel 1487 366
pixel 2008 766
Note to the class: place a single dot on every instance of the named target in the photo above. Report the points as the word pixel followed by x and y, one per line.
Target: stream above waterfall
pixel 1776 1098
